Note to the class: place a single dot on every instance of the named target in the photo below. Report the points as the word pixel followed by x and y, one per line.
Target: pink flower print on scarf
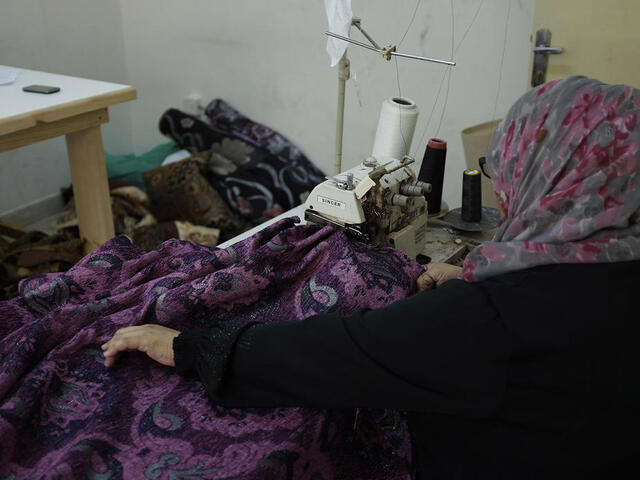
pixel 564 164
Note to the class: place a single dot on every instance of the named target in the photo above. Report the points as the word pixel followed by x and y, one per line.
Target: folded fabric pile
pixel 179 191
pixel 257 171
pixel 132 217
pixel 241 173
pixel 64 415
pixel 34 253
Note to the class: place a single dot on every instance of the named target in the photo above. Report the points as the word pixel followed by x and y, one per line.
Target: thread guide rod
pixel 356 22
pixel 379 50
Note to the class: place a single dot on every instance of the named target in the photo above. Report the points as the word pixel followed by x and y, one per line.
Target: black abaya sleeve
pixel 442 350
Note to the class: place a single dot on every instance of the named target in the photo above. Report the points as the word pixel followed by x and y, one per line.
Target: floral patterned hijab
pixel 565 164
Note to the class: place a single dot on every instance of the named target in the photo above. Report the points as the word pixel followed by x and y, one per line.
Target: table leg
pixel 90 187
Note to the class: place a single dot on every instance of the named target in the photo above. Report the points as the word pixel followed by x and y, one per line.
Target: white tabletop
pixel 13 101
pixel 20 111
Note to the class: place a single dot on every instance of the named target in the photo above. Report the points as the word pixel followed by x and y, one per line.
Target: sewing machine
pixel 379 201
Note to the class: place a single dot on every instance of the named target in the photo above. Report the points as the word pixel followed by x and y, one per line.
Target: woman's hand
pixel 154 340
pixel 436 274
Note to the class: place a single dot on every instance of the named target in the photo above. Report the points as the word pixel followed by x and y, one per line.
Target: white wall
pixel 268 59
pixel 74 37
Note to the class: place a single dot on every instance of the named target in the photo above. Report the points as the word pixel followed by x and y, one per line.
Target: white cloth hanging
pixel 339 15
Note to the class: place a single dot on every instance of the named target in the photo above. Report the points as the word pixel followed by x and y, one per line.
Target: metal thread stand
pixel 344 74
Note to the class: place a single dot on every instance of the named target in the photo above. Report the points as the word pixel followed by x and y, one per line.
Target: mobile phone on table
pixel 41 89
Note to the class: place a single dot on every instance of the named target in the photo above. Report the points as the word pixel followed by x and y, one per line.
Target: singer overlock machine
pixel 379 201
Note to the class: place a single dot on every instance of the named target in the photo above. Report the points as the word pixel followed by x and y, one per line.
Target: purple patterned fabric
pixel 256 170
pixel 225 118
pixel 64 415
pixel 565 164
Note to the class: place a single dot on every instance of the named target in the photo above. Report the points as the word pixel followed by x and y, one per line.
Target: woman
pixel 527 366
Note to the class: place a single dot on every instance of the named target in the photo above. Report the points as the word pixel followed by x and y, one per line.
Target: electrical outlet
pixel 192 104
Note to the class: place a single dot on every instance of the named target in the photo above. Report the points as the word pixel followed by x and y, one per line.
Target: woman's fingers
pixel 154 340
pixel 128 338
pixel 436 274
pixel 425 281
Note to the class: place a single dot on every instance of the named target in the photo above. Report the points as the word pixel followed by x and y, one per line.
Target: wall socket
pixel 192 104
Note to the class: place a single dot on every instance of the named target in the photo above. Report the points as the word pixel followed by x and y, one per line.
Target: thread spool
pixel 432 172
pixel 471 196
pixel 397 122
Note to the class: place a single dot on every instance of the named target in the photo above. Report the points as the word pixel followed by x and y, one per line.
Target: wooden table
pixel 77 111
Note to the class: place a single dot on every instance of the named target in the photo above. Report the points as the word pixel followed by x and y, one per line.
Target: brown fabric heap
pixel 129 204
pixel 34 253
pixel 179 191
pixel 150 237
pixel 132 217
pixel 130 207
